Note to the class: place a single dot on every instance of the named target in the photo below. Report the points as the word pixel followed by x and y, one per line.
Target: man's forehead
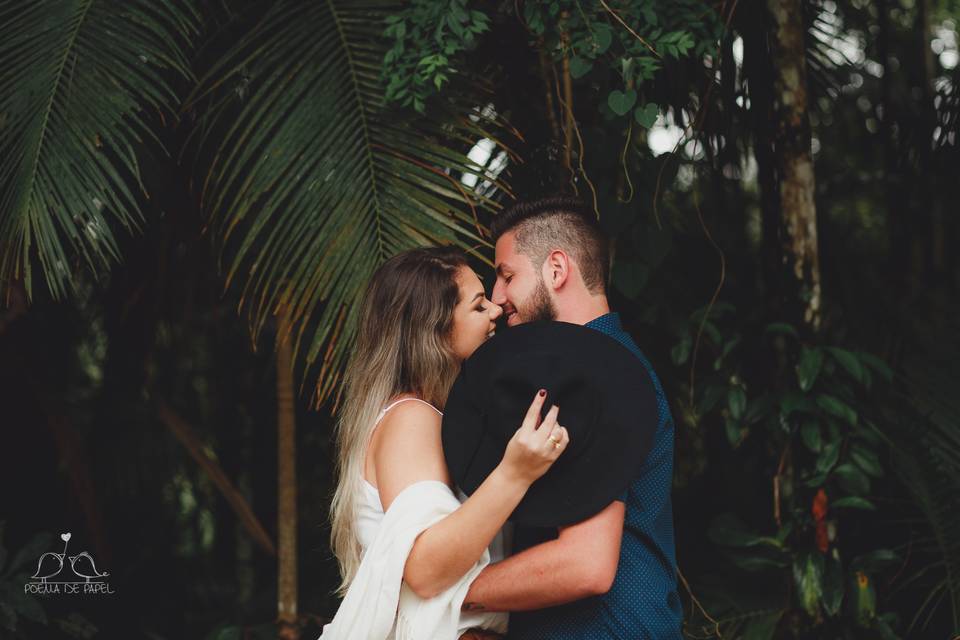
pixel 505 251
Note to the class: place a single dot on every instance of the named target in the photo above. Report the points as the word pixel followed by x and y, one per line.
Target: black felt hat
pixel 606 400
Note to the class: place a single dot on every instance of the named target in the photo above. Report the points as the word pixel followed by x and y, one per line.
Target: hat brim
pixel 607 404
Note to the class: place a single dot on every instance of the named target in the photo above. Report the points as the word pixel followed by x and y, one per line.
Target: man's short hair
pixel 558 222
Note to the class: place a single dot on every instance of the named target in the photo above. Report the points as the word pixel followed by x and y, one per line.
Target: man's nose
pixel 497 296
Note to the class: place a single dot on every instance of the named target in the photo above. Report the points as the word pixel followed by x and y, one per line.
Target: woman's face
pixel 474 317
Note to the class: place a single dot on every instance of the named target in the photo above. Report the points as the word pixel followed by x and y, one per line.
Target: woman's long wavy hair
pixel 403 347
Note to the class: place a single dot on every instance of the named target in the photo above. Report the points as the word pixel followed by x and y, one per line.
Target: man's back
pixel 643 601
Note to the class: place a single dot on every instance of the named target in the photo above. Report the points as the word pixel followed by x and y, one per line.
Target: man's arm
pixel 581 562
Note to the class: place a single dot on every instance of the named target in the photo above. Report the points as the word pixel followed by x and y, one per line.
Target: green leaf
pixel 811 361
pixel 646 116
pixel 762 627
pixel 602 38
pixel 810 434
pixel 853 502
pixel 877 365
pixel 808 578
pixel 783 328
pixel 580 67
pixel 852 480
pixel 737 402
pixel 793 401
pixel 681 351
pixel 864 599
pixel 728 530
pixel 876 561
pixel 828 457
pixel 837 407
pixel 833 585
pixel 848 361
pixel 620 102
pixel 82 86
pixel 866 460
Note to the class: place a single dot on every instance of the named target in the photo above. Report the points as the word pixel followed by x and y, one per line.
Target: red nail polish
pixel 543 392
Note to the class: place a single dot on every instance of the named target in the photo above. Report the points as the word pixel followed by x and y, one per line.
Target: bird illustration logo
pixel 84 561
pixel 51 564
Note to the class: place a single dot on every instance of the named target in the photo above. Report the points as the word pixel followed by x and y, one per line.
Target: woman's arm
pixel 408 449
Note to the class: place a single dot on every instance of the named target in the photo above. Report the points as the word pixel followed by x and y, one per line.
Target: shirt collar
pixel 607 323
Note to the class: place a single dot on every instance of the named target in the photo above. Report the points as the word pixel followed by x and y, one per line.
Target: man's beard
pixel 539 307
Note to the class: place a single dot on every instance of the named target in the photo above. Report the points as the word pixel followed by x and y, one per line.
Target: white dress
pixel 370 515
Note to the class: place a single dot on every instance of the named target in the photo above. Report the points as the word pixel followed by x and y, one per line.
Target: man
pixel 612 575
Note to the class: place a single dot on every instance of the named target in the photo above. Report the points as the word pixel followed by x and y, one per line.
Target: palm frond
pixel 313 181
pixel 80 81
pixel 926 453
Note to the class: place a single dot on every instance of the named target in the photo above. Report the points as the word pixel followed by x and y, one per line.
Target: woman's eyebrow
pixel 479 295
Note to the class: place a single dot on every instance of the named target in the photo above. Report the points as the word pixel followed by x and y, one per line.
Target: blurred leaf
pixel 78 101
pixel 852 479
pixel 877 365
pixel 737 402
pixel 761 627
pixel 795 401
pixel 853 502
pixel 225 632
pixel 620 102
pixel 782 328
pixel 808 578
pixel 681 351
pixel 828 457
pixel 867 460
pixel 579 67
pixel 864 599
pixel 602 37
pixel 837 407
pixel 848 361
pixel 729 531
pixel 875 561
pixel 646 116
pixel 808 368
pixel 810 434
pixel 833 585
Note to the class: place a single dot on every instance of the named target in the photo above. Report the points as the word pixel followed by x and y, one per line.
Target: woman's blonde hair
pixel 403 346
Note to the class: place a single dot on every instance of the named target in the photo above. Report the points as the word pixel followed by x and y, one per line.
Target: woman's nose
pixel 495 311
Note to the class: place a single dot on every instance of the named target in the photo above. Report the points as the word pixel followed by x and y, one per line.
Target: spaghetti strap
pixel 384 411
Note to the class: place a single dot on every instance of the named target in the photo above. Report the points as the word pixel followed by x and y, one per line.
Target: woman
pixel 423 314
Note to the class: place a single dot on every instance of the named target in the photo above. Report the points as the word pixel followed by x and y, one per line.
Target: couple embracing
pixel 426 420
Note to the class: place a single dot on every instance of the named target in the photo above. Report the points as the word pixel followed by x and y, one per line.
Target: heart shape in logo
pixel 65 537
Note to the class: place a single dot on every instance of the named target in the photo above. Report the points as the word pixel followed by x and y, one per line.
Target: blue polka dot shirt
pixel 643 601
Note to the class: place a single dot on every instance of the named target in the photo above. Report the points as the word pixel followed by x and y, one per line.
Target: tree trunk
pixel 287 489
pixel 759 75
pixel 794 162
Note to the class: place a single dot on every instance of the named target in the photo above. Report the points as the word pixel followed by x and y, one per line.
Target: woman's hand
pixel 535 446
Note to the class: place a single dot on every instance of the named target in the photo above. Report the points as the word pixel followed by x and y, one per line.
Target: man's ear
pixel 556 269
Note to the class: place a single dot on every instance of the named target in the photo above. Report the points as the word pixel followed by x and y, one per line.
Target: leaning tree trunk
pixel 287 490
pixel 794 162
